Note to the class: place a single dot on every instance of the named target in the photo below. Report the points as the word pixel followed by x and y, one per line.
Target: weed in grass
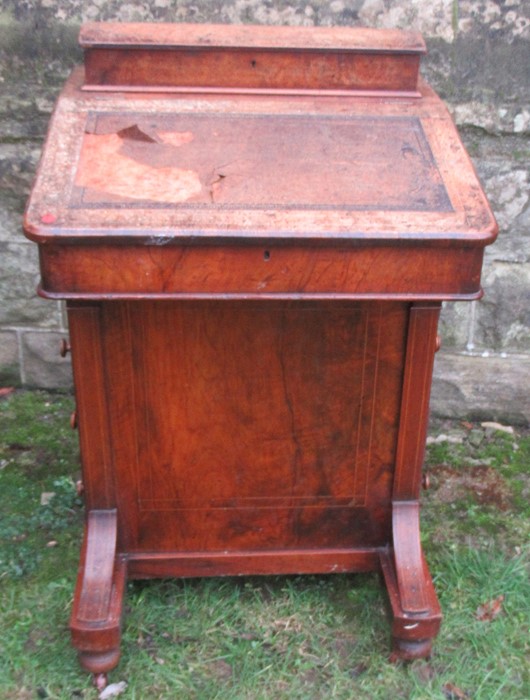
pixel 35 459
pixel 278 638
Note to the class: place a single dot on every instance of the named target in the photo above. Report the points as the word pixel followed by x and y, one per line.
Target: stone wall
pixel 478 61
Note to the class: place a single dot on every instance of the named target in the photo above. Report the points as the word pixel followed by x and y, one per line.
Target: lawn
pixel 274 637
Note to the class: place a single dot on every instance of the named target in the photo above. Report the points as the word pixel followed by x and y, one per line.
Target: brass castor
pixel 100 681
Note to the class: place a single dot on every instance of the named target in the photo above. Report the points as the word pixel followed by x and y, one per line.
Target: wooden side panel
pixel 118 337
pixel 91 395
pixel 421 347
pixel 258 426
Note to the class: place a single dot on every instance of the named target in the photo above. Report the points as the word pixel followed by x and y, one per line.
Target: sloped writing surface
pixel 258 161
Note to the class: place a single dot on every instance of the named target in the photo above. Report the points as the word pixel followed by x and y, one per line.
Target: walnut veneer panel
pixel 264 425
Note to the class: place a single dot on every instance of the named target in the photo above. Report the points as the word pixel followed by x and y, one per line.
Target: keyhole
pixel 266 255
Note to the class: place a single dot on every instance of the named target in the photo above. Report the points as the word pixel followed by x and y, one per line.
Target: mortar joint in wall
pixel 502 355
pixel 30 329
pixel 470 345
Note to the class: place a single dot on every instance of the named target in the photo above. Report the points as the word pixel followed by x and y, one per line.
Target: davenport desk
pixel 254 229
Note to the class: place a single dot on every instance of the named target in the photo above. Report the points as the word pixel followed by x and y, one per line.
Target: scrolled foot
pixel 415 609
pixel 95 623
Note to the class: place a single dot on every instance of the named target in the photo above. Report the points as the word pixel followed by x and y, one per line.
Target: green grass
pixel 265 638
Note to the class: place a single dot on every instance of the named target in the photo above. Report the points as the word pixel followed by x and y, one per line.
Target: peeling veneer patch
pixel 108 164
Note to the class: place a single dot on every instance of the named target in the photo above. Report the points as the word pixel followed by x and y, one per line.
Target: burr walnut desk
pixel 254 229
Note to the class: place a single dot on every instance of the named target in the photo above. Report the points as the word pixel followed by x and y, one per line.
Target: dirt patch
pixel 221 670
pixel 483 482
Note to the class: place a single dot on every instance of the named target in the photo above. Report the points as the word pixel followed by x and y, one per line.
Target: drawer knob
pixel 64 348
pixel 73 420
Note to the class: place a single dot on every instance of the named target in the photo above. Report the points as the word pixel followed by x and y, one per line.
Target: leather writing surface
pixel 259 161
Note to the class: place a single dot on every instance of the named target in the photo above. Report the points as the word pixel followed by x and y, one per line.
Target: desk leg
pixel 415 609
pixel 96 614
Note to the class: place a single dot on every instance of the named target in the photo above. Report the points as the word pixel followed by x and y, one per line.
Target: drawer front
pixel 376 271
